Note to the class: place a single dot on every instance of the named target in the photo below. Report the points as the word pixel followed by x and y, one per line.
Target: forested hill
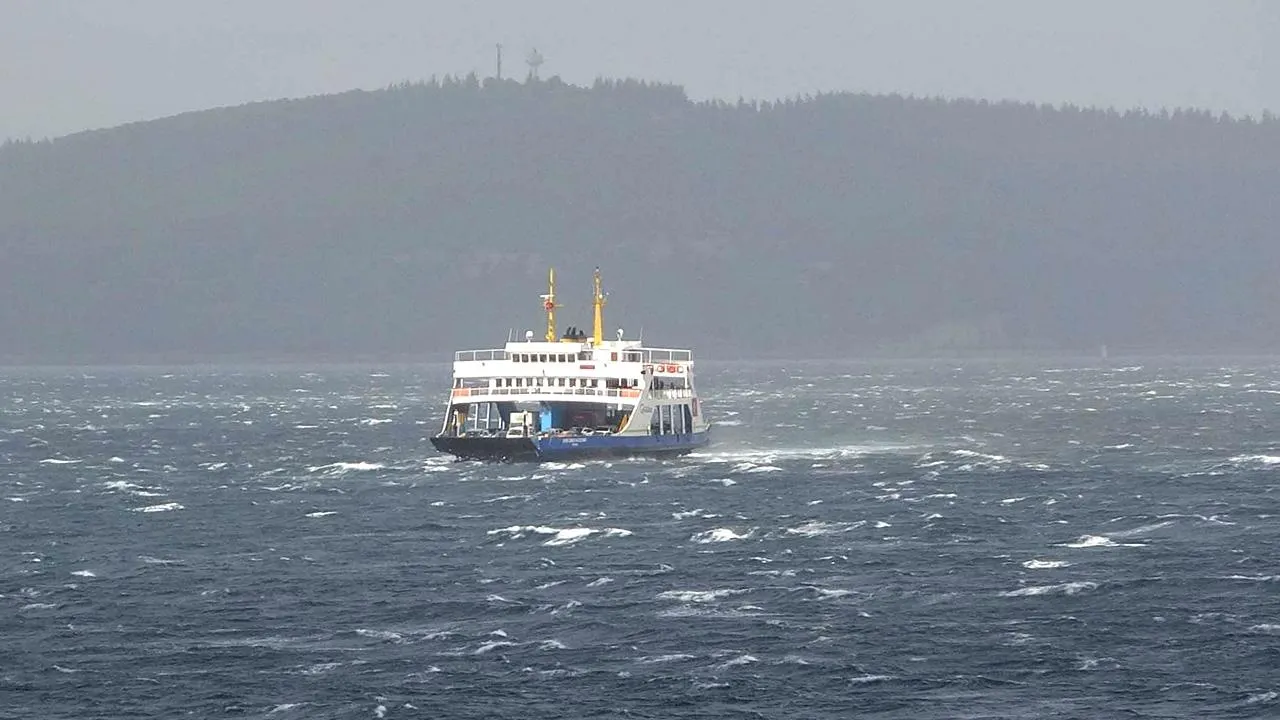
pixel 411 221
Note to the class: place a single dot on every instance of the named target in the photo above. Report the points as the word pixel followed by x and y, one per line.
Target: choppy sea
pixel 882 540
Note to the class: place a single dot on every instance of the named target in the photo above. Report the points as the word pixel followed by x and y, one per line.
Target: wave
pixel 718 535
pixel 1071 588
pixel 562 536
pixel 1045 564
pixel 1098 541
pixel 699 596
pixel 162 507
pixel 342 468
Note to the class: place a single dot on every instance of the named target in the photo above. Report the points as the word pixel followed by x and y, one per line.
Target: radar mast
pixel 549 304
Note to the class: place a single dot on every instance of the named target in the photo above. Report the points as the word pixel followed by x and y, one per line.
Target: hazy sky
pixel 68 65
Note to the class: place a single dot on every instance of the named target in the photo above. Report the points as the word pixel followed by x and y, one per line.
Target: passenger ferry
pixel 572 396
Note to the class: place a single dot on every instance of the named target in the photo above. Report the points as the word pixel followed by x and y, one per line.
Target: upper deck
pixel 575 366
pixel 623 358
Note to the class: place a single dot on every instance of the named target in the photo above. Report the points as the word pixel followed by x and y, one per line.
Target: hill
pixel 410 221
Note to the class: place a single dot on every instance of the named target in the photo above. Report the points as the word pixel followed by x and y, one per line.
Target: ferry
pixel 572 396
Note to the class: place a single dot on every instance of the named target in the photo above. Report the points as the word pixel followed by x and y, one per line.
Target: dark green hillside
pixel 417 219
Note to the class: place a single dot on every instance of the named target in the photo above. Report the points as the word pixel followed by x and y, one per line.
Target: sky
pixel 72 65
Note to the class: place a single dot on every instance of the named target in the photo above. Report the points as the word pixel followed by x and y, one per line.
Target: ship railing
pixel 476 355
pixel 671 394
pixel 483 392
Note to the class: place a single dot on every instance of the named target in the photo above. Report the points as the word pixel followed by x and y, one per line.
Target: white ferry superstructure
pixel 572 396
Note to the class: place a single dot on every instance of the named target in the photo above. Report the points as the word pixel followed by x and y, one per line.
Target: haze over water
pixel 906 540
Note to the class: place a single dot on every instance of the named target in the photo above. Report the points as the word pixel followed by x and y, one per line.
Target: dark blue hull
pixel 568 448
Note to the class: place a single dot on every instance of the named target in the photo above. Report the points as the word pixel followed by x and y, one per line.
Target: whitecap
pixel 321 513
pixel 1045 564
pixel 84 573
pixel 340 468
pixel 675 657
pixel 718 535
pixel 814 528
pixel 1070 588
pixel 600 582
pixel 740 660
pixel 491 645
pixel 864 679
pixel 698 596
pixel 163 507
pixel 380 635
pixel 58 461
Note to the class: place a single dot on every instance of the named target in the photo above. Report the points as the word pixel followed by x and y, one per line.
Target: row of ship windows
pixel 571 357
pixel 550 382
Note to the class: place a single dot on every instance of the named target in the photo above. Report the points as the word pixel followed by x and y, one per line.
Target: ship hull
pixel 562 449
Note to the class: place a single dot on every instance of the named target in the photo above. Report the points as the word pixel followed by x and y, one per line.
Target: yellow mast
pixel 597 302
pixel 549 304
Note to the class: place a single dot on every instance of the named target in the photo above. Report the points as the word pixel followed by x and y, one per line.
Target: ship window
pixel 584 356
pixel 560 382
pixel 595 382
pixel 613 356
pixel 519 382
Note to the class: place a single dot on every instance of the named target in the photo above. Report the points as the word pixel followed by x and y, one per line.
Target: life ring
pixel 672 368
pixel 660 368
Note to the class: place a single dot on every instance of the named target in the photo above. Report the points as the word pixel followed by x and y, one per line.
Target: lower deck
pixel 568 447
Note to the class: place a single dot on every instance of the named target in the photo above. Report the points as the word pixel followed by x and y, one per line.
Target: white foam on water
pixel 600 582
pixel 699 596
pixel 552 644
pixel 1262 697
pixel 675 657
pixel 562 536
pixel 321 513
pixel 374 421
pixel 491 646
pixel 864 679
pixel 1268 628
pixel 1260 459
pixel 58 461
pixel 1142 530
pixel 341 468
pixel 740 660
pixel 1097 541
pixel 380 635
pixel 84 573
pixel 163 507
pixel 1070 588
pixel 1045 564
pixel 718 535
pixel 814 528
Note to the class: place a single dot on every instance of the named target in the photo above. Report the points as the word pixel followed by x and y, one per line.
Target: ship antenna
pixel 549 304
pixel 597 301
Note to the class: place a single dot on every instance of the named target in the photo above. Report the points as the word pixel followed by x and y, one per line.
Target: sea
pixel 924 539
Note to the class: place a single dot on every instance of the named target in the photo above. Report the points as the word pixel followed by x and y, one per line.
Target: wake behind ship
pixel 572 397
